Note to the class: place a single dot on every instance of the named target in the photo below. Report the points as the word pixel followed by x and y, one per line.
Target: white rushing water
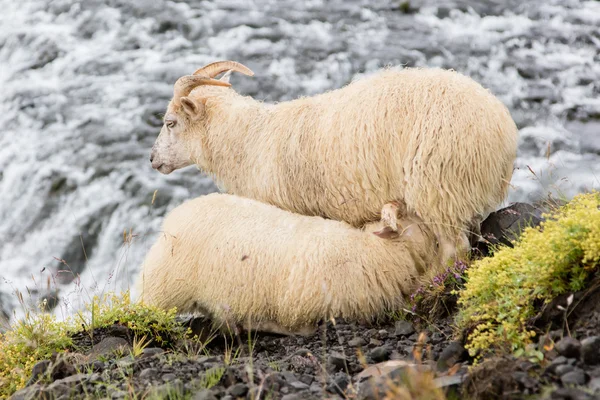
pixel 83 84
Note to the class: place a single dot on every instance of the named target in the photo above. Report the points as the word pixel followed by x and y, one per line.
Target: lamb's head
pixel 186 114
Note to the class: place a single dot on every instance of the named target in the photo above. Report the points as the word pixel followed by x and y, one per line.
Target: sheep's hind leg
pixel 389 218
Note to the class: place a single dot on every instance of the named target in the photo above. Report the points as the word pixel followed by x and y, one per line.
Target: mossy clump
pixel 557 257
pixel 38 335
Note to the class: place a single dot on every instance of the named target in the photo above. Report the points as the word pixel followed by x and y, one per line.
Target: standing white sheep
pixel 253 264
pixel 433 140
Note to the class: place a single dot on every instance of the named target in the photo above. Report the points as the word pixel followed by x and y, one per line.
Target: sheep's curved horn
pixel 213 69
pixel 185 84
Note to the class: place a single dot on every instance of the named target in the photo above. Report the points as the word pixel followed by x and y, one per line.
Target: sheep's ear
pixel 225 77
pixel 386 233
pixel 191 108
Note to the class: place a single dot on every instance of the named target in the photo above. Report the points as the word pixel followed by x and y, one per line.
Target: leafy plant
pixel 555 258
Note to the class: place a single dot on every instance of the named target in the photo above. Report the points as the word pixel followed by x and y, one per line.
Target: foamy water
pixel 83 84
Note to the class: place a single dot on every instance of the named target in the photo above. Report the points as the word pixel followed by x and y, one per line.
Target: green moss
pixel 555 258
pixel 38 335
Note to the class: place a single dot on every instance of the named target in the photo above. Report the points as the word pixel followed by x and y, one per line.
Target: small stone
pixel 380 354
pixel 238 390
pixel 452 354
pixel 564 369
pixel 37 371
pixel 339 384
pixel 559 360
pixel 73 379
pixel 148 373
pixel 404 328
pixel 357 342
pixel 151 351
pixel 97 366
pixel 382 334
pixel 293 396
pixel 126 362
pixel 375 342
pixel 568 347
pixel 55 390
pixel 308 379
pixel 169 377
pixel 590 350
pixel 61 369
pixel 576 377
pixel 315 387
pixel 299 385
pixel 109 346
pixel 118 394
pixel 337 361
pixel 29 392
pixel 204 395
pixel 95 377
pixel 595 384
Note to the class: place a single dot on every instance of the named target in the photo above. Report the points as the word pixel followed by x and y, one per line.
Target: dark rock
pixel 27 393
pixel 336 361
pixel 204 394
pixel 506 224
pixel 55 390
pixel 169 377
pixel 590 350
pixel 126 362
pixel 404 328
pixel 73 379
pixel 109 346
pixel 564 369
pixel 452 354
pixel 357 342
pixel 380 354
pixel 339 384
pixel 299 385
pixel 61 369
pixel 308 379
pixel 558 361
pixel 289 376
pixel 594 384
pixel 38 371
pixel 316 387
pixel 148 373
pixel 568 347
pixel 238 390
pixel 570 394
pixel 575 377
pixel 152 351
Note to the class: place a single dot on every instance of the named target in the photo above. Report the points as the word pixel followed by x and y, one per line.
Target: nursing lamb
pixel 252 264
pixel 432 140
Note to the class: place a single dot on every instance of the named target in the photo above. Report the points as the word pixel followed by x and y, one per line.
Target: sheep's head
pixel 170 151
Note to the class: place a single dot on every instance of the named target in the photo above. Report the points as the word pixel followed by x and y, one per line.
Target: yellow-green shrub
pixel 557 257
pixel 36 336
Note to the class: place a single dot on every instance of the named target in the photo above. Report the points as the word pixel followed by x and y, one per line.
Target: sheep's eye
pixel 170 123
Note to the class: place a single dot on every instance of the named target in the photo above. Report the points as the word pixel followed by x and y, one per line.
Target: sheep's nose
pixel 151 157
